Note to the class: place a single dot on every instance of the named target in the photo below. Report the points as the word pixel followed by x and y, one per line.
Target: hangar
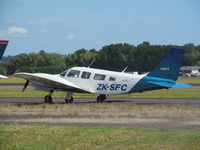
pixel 189 71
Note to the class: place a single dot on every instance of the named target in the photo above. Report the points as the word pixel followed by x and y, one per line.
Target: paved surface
pixel 181 125
pixel 136 101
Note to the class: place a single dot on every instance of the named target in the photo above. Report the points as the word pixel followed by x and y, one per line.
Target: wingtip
pixel 18 74
pixel 183 85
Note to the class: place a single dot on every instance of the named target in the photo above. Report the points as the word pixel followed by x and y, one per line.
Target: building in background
pixel 190 71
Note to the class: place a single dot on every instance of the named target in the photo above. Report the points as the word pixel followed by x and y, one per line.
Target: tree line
pixel 116 57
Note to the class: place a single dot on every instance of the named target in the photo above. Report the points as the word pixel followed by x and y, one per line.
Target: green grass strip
pixel 15 137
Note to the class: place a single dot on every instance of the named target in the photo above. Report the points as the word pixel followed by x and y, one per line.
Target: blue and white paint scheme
pixel 104 82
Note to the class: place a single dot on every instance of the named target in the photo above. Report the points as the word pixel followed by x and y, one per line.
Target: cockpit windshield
pixel 64 73
pixel 73 73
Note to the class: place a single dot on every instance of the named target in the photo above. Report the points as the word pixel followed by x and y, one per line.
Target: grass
pixel 100 110
pixel 190 80
pixel 12 80
pixel 15 137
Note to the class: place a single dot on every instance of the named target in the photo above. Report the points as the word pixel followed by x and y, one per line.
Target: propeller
pixel 25 85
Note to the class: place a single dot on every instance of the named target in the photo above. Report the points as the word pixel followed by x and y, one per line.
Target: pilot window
pixel 85 75
pixel 73 73
pixel 112 79
pixel 99 77
pixel 63 73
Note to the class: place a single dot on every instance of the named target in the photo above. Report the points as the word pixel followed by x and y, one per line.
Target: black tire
pixel 66 100
pixel 48 99
pixel 103 97
pixel 100 99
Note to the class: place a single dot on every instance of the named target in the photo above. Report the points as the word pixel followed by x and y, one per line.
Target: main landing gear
pixel 48 98
pixel 68 99
pixel 101 98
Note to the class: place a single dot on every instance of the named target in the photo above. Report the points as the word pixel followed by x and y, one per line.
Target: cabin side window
pixel 112 79
pixel 73 73
pixel 99 77
pixel 85 75
pixel 64 73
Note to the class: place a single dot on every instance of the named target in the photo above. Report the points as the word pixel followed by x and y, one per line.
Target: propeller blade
pixel 25 85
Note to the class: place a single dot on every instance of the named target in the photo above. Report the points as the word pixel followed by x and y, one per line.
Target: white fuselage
pixel 112 83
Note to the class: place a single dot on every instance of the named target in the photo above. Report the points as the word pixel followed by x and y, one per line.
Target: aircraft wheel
pixel 69 100
pixel 101 98
pixel 48 99
pixel 98 99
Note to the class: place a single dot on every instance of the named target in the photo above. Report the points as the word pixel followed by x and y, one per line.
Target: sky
pixel 64 26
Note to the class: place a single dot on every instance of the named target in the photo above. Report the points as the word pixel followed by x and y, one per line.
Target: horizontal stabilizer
pixel 171 85
pixel 182 85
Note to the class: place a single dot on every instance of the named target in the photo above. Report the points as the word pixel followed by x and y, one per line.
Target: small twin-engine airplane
pixel 104 82
pixel 3 45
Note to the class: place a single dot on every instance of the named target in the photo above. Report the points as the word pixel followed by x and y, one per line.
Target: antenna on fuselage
pixel 124 69
pixel 91 63
pixel 34 68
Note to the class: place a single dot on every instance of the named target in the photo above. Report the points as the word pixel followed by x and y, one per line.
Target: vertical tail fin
pixel 169 67
pixel 3 45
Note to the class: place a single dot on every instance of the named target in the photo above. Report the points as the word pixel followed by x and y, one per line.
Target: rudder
pixel 169 67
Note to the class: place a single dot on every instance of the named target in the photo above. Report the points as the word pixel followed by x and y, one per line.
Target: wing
pixel 48 81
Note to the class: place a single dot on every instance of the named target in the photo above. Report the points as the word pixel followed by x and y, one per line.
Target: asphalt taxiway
pixel 128 101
